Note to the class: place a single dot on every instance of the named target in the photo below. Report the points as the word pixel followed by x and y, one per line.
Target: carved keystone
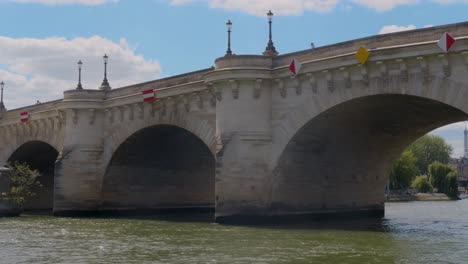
pixel 296 83
pixel 257 91
pixel 424 70
pixel 281 88
pixel 155 105
pixel 234 89
pixel 312 82
pixel 110 115
pixel 182 99
pixel 364 75
pixel 74 113
pixel 329 78
pixel 404 76
pixel 121 110
pixel 130 111
pixel 383 72
pixel 91 116
pixel 216 92
pixel 346 77
pixel 445 65
pixel 141 110
pixel 197 98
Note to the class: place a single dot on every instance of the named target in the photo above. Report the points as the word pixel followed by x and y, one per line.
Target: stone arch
pixel 338 154
pixel 14 136
pixel 201 126
pixel 440 89
pixel 41 156
pixel 160 167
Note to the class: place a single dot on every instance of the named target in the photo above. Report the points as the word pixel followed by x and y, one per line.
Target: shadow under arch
pixel 339 161
pixel 40 156
pixel 159 168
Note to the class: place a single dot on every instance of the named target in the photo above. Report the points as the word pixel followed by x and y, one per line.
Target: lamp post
pixel 2 106
pixel 105 84
pixel 270 49
pixel 229 26
pixel 79 86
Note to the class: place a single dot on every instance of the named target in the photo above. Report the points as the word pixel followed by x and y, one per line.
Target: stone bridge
pixel 246 137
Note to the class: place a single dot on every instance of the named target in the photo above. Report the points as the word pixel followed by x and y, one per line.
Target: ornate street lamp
pixel 229 26
pixel 79 86
pixel 2 106
pixel 270 49
pixel 105 84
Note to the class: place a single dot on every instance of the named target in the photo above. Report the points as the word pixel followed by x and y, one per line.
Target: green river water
pixel 415 232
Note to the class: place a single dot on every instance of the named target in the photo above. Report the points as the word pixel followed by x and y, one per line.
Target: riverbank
pixel 417 197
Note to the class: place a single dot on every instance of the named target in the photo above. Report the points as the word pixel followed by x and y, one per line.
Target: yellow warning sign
pixel 362 55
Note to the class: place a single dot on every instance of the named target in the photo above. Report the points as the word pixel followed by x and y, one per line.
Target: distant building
pixel 465 153
pixel 461 165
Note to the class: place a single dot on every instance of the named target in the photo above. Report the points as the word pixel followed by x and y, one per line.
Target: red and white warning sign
pixel 24 116
pixel 295 66
pixel 446 42
pixel 148 95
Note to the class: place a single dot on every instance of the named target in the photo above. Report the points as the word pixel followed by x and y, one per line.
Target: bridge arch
pixel 200 124
pixel 13 138
pixel 160 167
pixel 440 89
pixel 340 154
pixel 41 156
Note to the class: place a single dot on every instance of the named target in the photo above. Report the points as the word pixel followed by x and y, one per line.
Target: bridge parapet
pixel 36 112
pixel 384 41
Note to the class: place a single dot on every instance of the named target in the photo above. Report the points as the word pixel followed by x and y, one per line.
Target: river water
pixel 415 232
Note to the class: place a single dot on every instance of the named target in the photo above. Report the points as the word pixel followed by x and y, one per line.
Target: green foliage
pixel 437 175
pixel 22 181
pixel 444 179
pixel 403 171
pixel 428 156
pixel 422 184
pixel 451 184
pixel 428 149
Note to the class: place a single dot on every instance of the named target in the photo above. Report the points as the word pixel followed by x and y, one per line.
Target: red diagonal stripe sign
pixel 148 95
pixel 295 66
pixel 446 42
pixel 24 116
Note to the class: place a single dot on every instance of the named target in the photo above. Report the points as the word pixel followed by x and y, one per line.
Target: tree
pixel 403 171
pixel 437 175
pixel 428 149
pixel 451 184
pixel 422 184
pixel 22 180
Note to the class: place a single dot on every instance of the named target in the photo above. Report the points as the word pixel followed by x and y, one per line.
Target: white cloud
pixel 41 69
pixel 62 2
pixel 261 7
pixel 395 28
pixel 383 5
pixel 180 2
pixel 297 7
pixel 450 1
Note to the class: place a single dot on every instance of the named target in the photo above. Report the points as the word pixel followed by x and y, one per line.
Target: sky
pixel 42 40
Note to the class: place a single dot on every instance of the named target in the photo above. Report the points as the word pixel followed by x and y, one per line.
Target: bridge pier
pixel 79 168
pixel 243 118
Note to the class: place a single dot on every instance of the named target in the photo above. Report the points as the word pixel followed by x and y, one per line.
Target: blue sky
pixel 41 40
